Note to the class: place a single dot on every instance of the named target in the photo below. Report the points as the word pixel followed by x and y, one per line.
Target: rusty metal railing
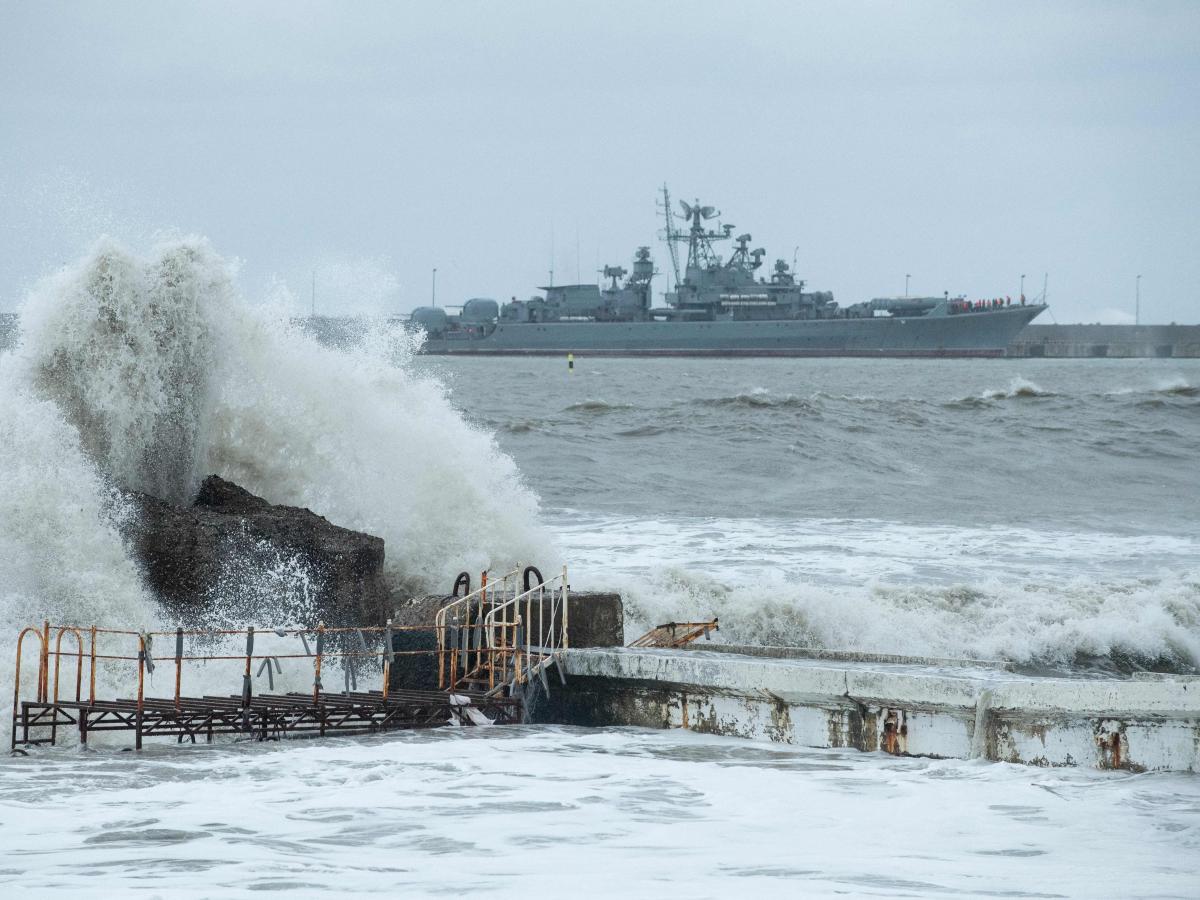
pixel 527 633
pixel 464 654
pixel 676 634
pixel 91 653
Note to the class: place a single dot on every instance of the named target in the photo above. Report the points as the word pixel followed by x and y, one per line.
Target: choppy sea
pixel 1041 512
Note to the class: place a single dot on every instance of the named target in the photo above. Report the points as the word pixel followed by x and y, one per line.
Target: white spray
pixel 150 373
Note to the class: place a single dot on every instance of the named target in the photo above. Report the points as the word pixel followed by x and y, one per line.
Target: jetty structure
pixel 486 646
pixel 522 650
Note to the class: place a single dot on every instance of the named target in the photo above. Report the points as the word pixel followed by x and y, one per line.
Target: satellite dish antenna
pixel 687 209
pixel 709 211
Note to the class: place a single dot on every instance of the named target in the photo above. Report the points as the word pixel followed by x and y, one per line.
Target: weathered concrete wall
pixel 908 708
pixel 1098 341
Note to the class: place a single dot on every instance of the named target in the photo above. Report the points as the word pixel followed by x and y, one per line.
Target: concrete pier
pixel 904 706
pixel 1103 341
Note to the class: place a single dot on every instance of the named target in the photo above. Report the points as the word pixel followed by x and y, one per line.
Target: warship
pixel 719 307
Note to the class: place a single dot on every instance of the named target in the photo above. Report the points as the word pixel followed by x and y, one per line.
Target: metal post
pixel 1137 307
pixel 906 277
pixel 63 629
pixel 137 740
pixel 17 686
pixel 317 664
pixel 92 671
pixel 388 654
pixel 178 662
pixel 317 676
pixel 566 590
pixel 433 290
pixel 246 681
pixel 44 664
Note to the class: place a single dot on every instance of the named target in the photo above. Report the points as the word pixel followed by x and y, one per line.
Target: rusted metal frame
pixel 389 655
pixel 566 606
pixel 462 609
pixel 141 690
pixel 340 715
pixel 248 677
pixel 58 660
pixel 178 663
pixel 17 681
pixel 166 722
pixel 44 664
pixel 317 663
pixel 92 668
pixel 415 715
pixel 111 720
pixel 46 715
pixel 555 638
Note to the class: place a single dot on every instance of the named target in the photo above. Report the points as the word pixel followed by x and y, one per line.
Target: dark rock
pixel 234 555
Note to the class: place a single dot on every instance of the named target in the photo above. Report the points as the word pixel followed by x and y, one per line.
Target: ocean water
pixel 582 813
pixel 1039 512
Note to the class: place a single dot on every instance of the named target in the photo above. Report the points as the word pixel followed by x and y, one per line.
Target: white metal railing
pixel 463 649
pixel 527 632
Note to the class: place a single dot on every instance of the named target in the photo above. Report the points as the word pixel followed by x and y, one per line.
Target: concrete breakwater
pixel 903 706
pixel 1101 341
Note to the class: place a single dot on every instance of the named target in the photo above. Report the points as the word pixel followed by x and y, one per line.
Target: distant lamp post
pixel 1137 301
pixel 433 289
pixel 1022 287
pixel 906 277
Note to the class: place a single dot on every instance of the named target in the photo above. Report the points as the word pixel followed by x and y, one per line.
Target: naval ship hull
pixel 972 334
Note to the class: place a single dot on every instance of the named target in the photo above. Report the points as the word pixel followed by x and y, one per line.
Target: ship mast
pixel 670 232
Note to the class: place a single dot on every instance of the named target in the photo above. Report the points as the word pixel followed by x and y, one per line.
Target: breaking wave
pixel 148 373
pixel 1018 389
pixel 1177 387
pixel 1110 626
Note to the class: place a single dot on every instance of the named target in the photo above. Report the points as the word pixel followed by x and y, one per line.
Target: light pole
pixel 906 277
pixel 433 290
pixel 1022 287
pixel 1137 301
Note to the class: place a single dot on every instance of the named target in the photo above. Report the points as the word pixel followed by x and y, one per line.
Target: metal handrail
pixel 453 660
pixel 43 662
pixel 511 637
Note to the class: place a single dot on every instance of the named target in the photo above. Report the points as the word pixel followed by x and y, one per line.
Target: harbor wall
pixel 1106 341
pixel 916 707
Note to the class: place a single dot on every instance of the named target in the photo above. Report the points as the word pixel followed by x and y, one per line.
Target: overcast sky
pixel 961 143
